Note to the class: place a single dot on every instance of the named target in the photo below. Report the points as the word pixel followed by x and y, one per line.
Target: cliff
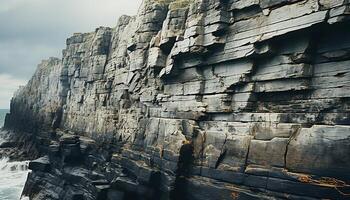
pixel 196 99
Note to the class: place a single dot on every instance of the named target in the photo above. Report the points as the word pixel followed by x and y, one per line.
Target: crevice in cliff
pixel 167 46
pixel 220 159
pixel 155 184
pixel 183 171
pixel 247 155
pixel 57 118
pixel 292 136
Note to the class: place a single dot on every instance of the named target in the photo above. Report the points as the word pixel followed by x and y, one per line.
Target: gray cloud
pixel 8 85
pixel 32 30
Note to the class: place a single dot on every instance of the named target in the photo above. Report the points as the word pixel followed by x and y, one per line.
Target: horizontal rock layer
pixel 202 99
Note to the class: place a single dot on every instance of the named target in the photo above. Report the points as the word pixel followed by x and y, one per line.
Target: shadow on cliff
pixel 183 171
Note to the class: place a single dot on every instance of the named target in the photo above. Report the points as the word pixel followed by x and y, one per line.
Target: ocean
pixel 2 116
pixel 12 174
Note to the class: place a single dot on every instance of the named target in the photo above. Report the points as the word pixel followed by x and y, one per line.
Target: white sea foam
pixel 12 174
pixel 12 178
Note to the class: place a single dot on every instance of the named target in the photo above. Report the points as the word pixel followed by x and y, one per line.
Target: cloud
pixel 19 58
pixel 8 85
pixel 32 30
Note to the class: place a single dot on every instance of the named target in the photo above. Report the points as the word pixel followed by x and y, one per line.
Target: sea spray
pixel 13 176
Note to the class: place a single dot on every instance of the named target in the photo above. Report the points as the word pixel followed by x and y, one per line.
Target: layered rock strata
pixel 196 99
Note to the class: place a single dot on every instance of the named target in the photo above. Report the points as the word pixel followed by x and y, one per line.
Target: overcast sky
pixel 32 30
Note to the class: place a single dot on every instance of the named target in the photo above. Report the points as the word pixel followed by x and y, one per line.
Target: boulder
pixel 41 164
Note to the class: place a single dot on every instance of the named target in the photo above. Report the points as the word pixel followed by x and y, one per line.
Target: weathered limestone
pixel 300 158
pixel 202 99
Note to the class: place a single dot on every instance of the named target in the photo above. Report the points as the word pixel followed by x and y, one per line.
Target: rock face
pixel 200 99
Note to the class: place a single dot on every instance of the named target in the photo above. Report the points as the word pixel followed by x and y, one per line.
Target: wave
pixel 13 176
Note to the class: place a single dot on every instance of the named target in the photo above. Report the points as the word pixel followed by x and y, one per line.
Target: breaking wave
pixel 12 178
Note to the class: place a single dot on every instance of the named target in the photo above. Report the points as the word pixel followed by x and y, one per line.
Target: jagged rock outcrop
pixel 196 99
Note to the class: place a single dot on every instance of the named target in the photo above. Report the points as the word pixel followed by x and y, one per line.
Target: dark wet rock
pixel 69 139
pixel 115 195
pixel 41 164
pixel 8 145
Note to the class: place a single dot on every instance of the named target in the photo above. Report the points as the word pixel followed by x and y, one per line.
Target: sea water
pixel 12 178
pixel 12 174
pixel 2 116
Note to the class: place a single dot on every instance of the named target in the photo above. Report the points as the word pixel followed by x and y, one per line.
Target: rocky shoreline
pixel 17 146
pixel 202 99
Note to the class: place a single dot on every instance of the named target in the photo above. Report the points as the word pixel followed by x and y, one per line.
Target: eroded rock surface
pixel 196 99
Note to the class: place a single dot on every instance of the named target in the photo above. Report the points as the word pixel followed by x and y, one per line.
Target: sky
pixel 32 30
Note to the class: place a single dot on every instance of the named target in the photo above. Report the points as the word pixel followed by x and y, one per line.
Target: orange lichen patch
pixel 332 182
pixel 234 195
pixel 325 182
pixel 305 178
pixel 184 142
